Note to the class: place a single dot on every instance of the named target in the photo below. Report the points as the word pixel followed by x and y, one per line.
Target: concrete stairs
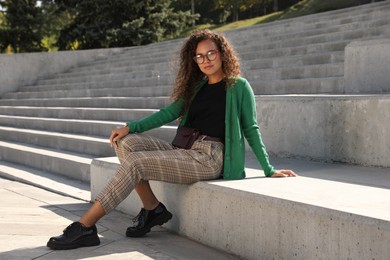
pixel 60 124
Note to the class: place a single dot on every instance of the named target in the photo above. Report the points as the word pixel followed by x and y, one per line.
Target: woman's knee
pixel 129 143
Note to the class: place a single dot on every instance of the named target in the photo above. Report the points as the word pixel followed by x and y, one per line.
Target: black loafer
pixel 74 236
pixel 146 219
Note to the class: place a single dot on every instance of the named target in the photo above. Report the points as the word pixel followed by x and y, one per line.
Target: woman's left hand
pixel 284 173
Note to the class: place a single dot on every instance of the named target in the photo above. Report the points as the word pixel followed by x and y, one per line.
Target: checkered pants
pixel 146 158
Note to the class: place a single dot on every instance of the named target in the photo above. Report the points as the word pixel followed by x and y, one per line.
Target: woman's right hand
pixel 118 134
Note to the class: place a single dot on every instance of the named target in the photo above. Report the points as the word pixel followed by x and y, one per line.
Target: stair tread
pixel 53 182
pixel 57 134
pixel 44 151
pixel 353 189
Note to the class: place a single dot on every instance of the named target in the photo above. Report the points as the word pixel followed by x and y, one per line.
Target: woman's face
pixel 209 60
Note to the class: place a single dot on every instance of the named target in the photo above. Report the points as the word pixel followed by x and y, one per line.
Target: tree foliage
pixel 119 23
pixel 23 28
pixel 222 11
pixel 75 24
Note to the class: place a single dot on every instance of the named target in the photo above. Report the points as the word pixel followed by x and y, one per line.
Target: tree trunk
pixel 235 10
pixel 193 10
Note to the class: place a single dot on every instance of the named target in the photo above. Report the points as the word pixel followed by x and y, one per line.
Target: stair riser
pixel 327 128
pixel 337 57
pixel 73 113
pixel 126 68
pixel 301 50
pixel 283 61
pixel 311 86
pixel 357 25
pixel 247 46
pixel 90 129
pixel 145 82
pixel 316 21
pixel 352 35
pixel 296 73
pixel 113 92
pixel 276 218
pixel 76 170
pixel 370 29
pixel 153 103
pixel 108 77
pixel 303 29
pixel 278 73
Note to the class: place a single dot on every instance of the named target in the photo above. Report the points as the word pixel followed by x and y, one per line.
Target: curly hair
pixel 189 75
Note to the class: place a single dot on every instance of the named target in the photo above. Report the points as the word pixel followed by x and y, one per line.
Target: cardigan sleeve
pixel 160 118
pixel 251 129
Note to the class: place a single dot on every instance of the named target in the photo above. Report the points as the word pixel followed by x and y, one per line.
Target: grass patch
pixel 303 7
pixel 306 7
pixel 249 22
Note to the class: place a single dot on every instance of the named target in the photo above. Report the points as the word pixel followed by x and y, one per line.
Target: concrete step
pixel 127 61
pixel 72 165
pixel 368 16
pixel 352 29
pixel 333 128
pixel 318 20
pixel 294 60
pixel 82 144
pixel 126 68
pixel 317 52
pixel 276 73
pixel 358 23
pixel 122 83
pixel 297 72
pixel 67 155
pixel 110 114
pixel 316 39
pixel 89 91
pixel 335 133
pixel 326 209
pixel 46 180
pixel 107 77
pixel 112 102
pixel 261 44
pixel 297 28
pixel 90 130
pixel 284 72
pixel 163 68
pixel 330 85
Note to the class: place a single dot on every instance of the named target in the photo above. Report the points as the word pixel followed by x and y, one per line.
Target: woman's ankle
pixel 151 206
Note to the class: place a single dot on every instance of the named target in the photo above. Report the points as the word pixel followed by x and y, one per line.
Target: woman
pixel 209 95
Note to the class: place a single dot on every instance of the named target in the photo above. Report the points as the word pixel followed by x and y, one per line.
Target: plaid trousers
pixel 143 157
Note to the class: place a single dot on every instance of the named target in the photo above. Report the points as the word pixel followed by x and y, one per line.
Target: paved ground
pixel 29 216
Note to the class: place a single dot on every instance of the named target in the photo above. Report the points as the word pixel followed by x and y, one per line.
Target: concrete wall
pixel 350 129
pixel 267 218
pixel 367 66
pixel 26 68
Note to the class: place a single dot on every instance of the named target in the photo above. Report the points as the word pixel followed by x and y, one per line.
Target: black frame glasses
pixel 210 55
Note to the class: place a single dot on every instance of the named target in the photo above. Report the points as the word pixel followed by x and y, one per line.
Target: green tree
pixel 2 20
pixel 119 23
pixel 23 28
pixel 56 17
pixel 210 11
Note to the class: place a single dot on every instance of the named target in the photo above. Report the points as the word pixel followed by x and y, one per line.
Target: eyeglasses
pixel 211 55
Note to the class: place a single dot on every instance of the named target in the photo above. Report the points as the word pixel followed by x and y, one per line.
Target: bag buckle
pixel 202 138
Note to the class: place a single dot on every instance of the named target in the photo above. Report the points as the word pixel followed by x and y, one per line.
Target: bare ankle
pixel 151 206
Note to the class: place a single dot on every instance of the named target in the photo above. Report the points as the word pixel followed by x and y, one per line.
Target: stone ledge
pixel 26 68
pixel 332 211
pixel 366 66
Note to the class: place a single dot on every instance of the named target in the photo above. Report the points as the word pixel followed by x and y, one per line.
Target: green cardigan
pixel 240 122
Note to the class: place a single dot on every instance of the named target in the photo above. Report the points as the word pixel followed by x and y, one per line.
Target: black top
pixel 207 110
